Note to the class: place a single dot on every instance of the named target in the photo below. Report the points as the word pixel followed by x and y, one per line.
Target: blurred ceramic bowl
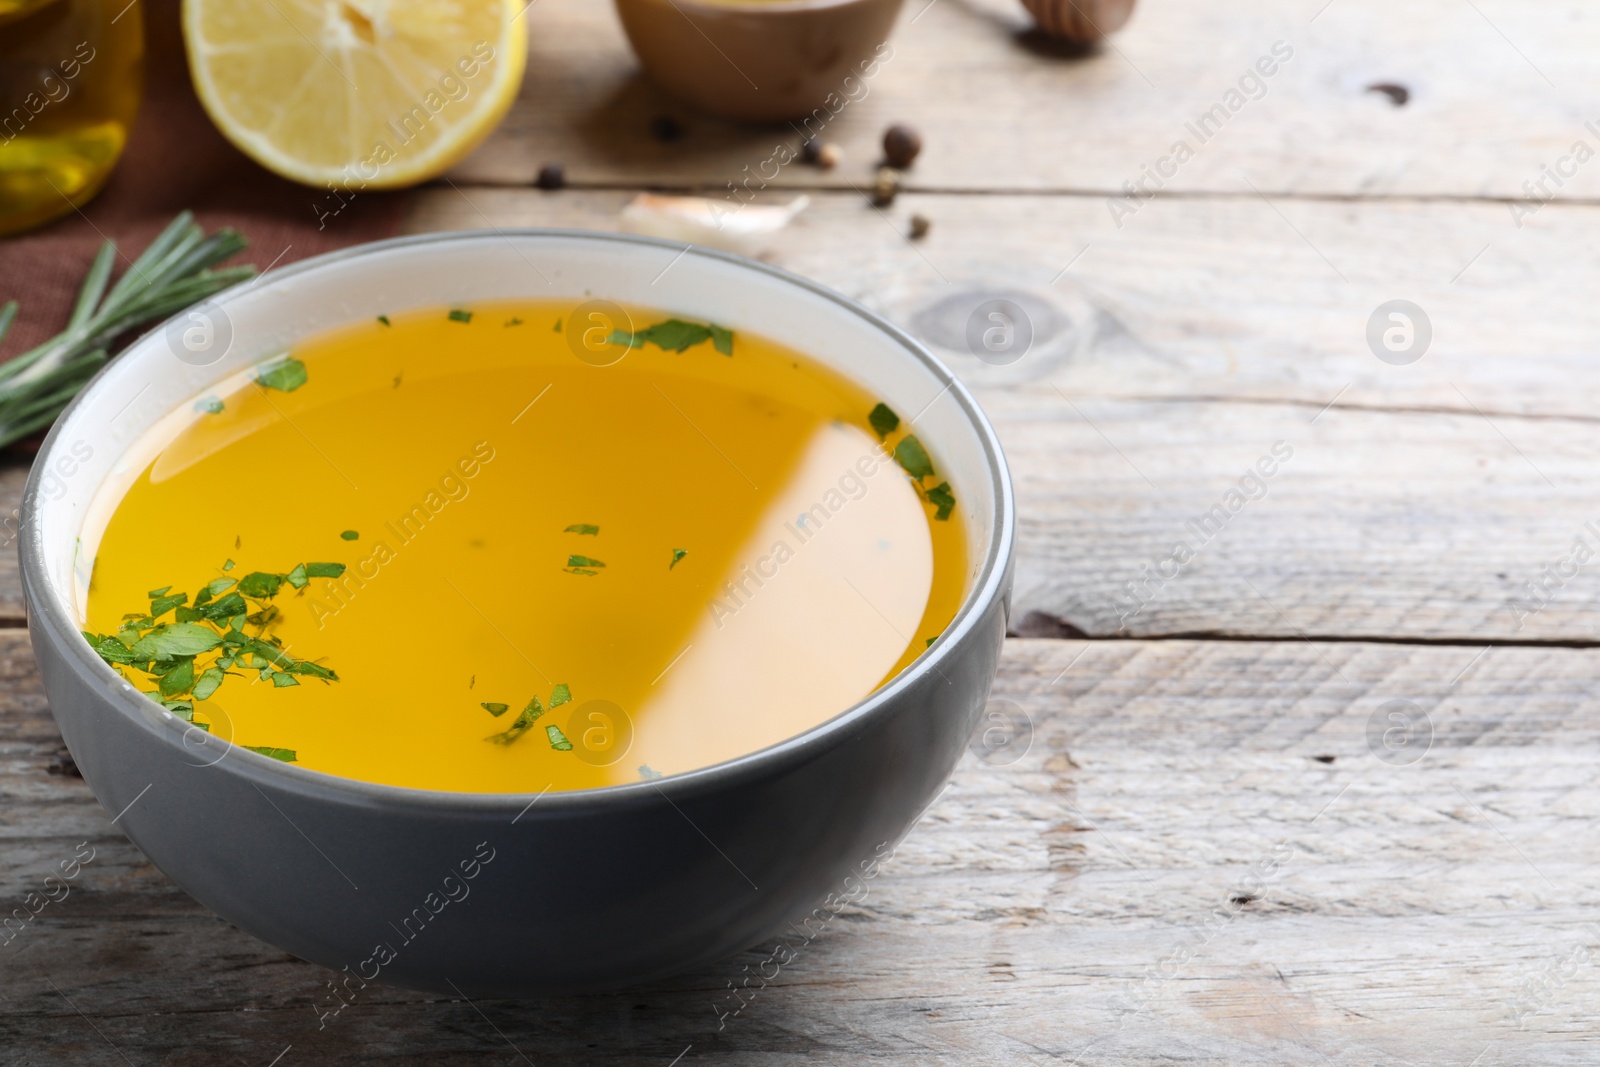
pixel 761 60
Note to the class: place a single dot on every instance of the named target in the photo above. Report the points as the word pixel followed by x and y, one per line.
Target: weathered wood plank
pixel 13 474
pixel 1497 90
pixel 1200 853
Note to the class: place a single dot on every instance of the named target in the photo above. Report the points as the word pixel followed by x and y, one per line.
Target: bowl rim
pixel 46 605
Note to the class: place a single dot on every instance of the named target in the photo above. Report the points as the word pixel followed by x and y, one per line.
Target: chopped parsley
pixel 210 405
pixel 677 554
pixel 913 459
pixel 224 632
pixel 384 319
pixel 287 755
pixel 584 565
pixel 513 321
pixel 560 695
pixel 458 315
pixel 350 535
pixel 884 421
pixel 583 529
pixel 646 773
pixel 558 740
pixel 286 375
pixel 676 335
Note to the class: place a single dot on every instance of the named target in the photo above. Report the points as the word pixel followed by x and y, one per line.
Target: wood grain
pixel 1111 897
pixel 1495 93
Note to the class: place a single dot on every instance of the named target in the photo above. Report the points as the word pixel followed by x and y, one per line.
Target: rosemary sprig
pixel 173 273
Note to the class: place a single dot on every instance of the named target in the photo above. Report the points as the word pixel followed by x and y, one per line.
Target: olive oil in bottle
pixel 71 72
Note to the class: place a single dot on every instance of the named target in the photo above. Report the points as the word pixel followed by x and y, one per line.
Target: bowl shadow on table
pixel 635 103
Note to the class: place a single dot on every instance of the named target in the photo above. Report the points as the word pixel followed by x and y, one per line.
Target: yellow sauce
pixel 461 453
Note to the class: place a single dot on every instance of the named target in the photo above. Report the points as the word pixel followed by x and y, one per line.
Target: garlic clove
pixel 725 224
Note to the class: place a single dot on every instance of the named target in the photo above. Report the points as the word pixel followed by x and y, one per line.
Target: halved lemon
pixel 356 93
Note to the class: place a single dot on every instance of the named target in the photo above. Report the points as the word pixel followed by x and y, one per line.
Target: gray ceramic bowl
pixel 514 894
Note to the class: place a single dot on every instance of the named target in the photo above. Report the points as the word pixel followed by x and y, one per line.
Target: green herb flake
pixel 161 605
pixel 229 565
pixel 286 375
pixel 647 774
pixel 583 529
pixel 513 321
pixel 313 670
pixel 176 639
pixel 323 570
pixel 676 335
pixel 579 570
pixel 558 740
pixel 913 458
pixel 163 591
pixel 210 680
pixel 942 498
pixel 350 535
pixel 496 710
pixel 560 695
pixel 929 642
pixel 524 722
pixel 458 315
pixel 261 585
pixel 677 554
pixel 226 608
pixel 384 319
pixel 108 648
pixel 284 678
pixel 180 679
pixel 286 755
pixel 583 561
pixel 884 422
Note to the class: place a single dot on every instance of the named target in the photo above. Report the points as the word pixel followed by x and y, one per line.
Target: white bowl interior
pixel 146 393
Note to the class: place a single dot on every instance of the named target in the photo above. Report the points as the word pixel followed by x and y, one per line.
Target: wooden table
pixel 1222 846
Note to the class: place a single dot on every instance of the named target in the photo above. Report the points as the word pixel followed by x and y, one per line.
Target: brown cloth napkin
pixel 175 159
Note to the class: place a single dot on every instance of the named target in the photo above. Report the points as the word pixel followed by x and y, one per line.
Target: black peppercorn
pixel 901 145
pixel 551 176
